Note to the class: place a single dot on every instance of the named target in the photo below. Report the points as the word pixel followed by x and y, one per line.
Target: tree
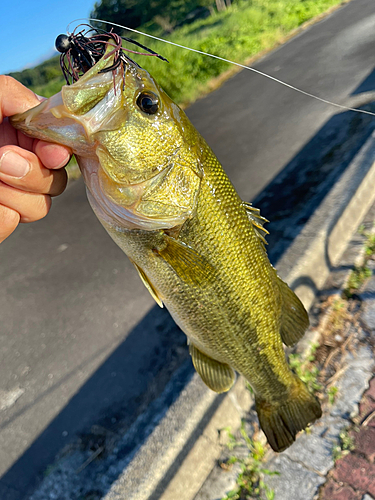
pixel 130 13
pixel 134 13
pixel 209 4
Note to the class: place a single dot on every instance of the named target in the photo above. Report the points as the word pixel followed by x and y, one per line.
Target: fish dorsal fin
pixel 294 318
pixel 148 284
pixel 257 221
pixel 190 266
pixel 219 377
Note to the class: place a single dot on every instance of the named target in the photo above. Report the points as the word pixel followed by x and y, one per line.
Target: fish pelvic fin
pixel 294 318
pixel 219 377
pixel 281 422
pixel 148 284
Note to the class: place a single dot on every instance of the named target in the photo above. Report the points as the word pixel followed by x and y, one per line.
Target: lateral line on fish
pixel 277 80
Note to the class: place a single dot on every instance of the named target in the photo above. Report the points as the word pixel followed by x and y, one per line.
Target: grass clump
pixel 332 393
pixel 370 241
pixel 338 316
pixel 250 481
pixel 306 370
pixel 344 447
pixel 360 273
pixel 357 277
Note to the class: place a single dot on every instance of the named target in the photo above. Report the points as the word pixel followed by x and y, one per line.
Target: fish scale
pixel 163 197
pixel 242 266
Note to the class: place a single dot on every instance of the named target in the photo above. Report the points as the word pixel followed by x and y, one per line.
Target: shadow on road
pixel 368 84
pixel 157 358
pixel 294 194
pixel 288 202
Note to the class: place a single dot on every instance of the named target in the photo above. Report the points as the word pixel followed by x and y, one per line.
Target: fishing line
pixel 281 82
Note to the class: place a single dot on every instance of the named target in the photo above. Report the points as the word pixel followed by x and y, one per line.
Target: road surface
pixel 80 337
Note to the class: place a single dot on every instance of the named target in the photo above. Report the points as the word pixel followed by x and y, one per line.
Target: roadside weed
pixel 331 392
pixel 370 240
pixel 345 446
pixel 338 316
pixel 358 275
pixel 232 441
pixel 370 244
pixel 250 482
pixel 305 369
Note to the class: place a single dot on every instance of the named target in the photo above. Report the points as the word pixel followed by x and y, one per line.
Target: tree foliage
pixel 45 72
pixel 166 13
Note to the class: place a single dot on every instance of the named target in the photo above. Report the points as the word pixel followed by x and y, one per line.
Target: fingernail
pixel 14 165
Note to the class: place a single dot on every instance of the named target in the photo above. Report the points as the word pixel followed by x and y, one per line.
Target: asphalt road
pixel 80 337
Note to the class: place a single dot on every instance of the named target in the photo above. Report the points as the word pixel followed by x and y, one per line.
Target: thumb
pixel 14 97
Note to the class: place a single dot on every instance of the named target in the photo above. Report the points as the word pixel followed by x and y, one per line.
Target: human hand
pixel 30 170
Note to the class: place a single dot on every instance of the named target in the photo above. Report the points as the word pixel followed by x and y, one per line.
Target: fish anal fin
pixel 219 377
pixel 257 221
pixel 281 422
pixel 190 266
pixel 294 319
pixel 148 284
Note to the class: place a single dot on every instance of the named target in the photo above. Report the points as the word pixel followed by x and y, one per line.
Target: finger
pixel 23 170
pixel 9 135
pixel 9 220
pixel 52 155
pixel 30 206
pixel 14 97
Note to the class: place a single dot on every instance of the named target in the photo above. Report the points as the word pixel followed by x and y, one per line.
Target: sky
pixel 29 29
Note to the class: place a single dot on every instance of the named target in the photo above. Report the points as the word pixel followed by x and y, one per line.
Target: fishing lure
pixel 80 52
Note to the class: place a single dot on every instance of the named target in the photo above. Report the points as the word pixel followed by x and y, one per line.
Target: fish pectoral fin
pixel 294 318
pixel 148 284
pixel 257 221
pixel 219 377
pixel 190 266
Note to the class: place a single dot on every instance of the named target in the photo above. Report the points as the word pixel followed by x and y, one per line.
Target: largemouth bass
pixel 163 197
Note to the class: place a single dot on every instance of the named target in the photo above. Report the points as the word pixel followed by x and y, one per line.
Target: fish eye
pixel 148 102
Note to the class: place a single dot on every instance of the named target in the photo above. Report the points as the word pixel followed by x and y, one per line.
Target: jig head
pixel 80 50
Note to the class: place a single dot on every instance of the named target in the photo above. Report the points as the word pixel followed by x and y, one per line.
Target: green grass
pixel 344 447
pixel 305 369
pixel 250 481
pixel 242 31
pixel 370 240
pixel 332 393
pixel 361 273
pixel 357 277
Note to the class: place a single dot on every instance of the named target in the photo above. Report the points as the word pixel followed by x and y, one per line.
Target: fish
pixel 164 198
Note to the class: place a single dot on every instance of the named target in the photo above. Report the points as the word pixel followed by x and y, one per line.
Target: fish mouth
pixel 89 116
pixel 72 116
pixel 94 68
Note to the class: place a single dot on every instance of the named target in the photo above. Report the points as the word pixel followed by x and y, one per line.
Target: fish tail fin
pixel 281 422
